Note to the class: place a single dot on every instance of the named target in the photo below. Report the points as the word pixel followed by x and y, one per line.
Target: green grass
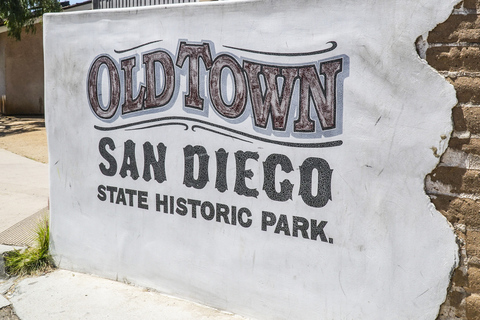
pixel 35 259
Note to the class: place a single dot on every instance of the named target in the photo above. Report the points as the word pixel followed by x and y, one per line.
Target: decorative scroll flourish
pixel 328 144
pixel 139 46
pixel 161 125
pixel 287 54
pixel 220 133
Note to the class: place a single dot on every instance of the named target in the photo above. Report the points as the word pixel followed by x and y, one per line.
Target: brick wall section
pixel 453 48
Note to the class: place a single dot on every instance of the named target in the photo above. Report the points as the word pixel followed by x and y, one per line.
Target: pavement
pixel 23 189
pixel 63 294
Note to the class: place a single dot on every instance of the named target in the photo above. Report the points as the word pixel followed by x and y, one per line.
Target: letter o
pixel 114 87
pixel 211 209
pixel 324 183
pixel 236 108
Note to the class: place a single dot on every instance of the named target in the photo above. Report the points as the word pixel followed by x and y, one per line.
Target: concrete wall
pixel 263 157
pixel 454 186
pixel 24 82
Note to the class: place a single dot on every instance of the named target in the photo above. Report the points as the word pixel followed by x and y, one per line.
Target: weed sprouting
pixel 35 259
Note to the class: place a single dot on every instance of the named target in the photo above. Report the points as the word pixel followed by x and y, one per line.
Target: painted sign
pixel 253 162
pixel 272 108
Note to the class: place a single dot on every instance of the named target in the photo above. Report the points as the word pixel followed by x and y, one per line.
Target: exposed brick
pixel 473 243
pixel 473 307
pixel 471 182
pixel 472 214
pixel 449 175
pixel 474 261
pixel 467 208
pixel 472 118
pixel 470 146
pixel 463 298
pixel 454 58
pixel 459 210
pixel 458 144
pixel 474 279
pixel 449 313
pixel 454 306
pixel 459 121
pixel 450 207
pixel 460 180
pixel 460 278
pixel 456 297
pixel 443 203
pixel 470 4
pixel 457 28
pixel 467 89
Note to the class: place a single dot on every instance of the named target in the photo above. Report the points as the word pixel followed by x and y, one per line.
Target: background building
pixel 21 69
pixel 21 62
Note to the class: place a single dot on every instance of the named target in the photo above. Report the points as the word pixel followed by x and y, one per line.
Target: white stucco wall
pixel 379 250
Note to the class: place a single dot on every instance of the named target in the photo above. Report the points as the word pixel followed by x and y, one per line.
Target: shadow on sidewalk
pixel 10 125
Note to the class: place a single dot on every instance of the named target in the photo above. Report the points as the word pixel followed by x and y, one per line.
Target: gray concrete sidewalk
pixel 65 295
pixel 24 188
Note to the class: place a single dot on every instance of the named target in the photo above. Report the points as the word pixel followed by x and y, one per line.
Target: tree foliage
pixel 21 15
